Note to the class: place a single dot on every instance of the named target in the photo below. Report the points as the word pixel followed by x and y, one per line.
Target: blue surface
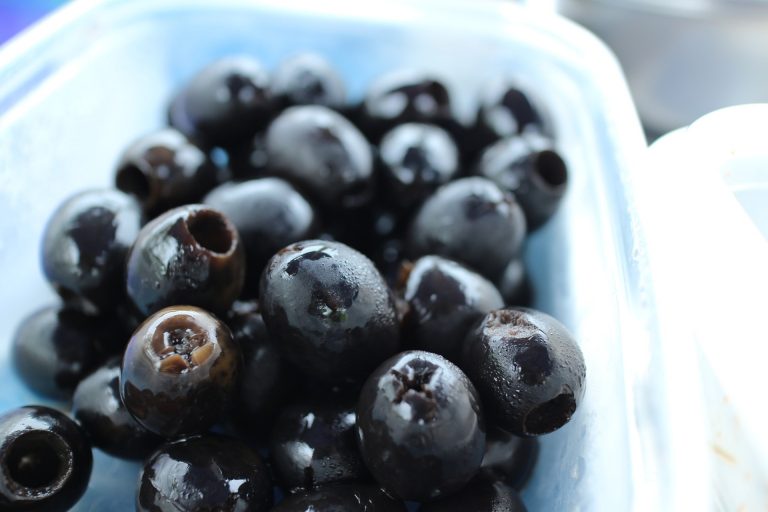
pixel 15 15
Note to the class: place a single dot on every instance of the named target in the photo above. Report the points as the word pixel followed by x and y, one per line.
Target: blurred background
pixel 682 58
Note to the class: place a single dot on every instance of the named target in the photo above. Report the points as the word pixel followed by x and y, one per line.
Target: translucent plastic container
pixel 702 199
pixel 78 87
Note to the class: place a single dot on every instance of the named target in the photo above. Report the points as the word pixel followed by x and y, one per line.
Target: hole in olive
pixel 417 376
pixel 550 415
pixel 551 168
pixel 34 459
pixel 210 231
pixel 131 180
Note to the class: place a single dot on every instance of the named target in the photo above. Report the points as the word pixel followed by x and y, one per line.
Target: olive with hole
pixel 420 426
pixel 189 255
pixel 528 369
pixel 530 168
pixel 180 372
pixel 45 460
pixel 164 169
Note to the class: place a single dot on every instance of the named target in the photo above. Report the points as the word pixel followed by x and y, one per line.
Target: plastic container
pixel 703 203
pixel 77 88
pixel 683 58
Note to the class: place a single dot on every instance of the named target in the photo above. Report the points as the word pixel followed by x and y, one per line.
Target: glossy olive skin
pixel 84 247
pixel 473 221
pixel 389 257
pixel 405 96
pixel 329 309
pixel 531 169
pixel 224 104
pixel 365 229
pixel 266 380
pixel 97 406
pixel 342 498
pixel 268 214
pixel 479 495
pixel 509 458
pixel 163 169
pixel 313 444
pixel 414 160
pixel 54 348
pixel 506 110
pixel 189 255
pixel 249 160
pixel 180 372
pixel 323 154
pixel 515 285
pixel 445 298
pixel 420 426
pixel 528 369
pixel 204 473
pixel 308 79
pixel 45 460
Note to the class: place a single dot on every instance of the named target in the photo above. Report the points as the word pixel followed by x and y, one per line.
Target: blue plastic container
pixel 75 89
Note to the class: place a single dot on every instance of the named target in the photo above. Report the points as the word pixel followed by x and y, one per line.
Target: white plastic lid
pixel 702 202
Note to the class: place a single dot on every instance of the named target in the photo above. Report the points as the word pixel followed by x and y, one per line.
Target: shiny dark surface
pixel 365 229
pixel 329 309
pixel 268 214
pixel 528 369
pixel 444 299
pixel 308 79
pixel 54 348
pixel 249 160
pixel 97 406
pixel 414 160
pixel 189 255
pixel 84 247
pixel 479 496
pixel 515 286
pixel 163 169
pixel 506 110
pixel 323 154
pixel 342 498
pixel 266 380
pixel 470 220
pixel 224 104
pixel 180 371
pixel 405 96
pixel 45 460
pixel 420 426
pixel 530 168
pixel 313 444
pixel 204 473
pixel 509 458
